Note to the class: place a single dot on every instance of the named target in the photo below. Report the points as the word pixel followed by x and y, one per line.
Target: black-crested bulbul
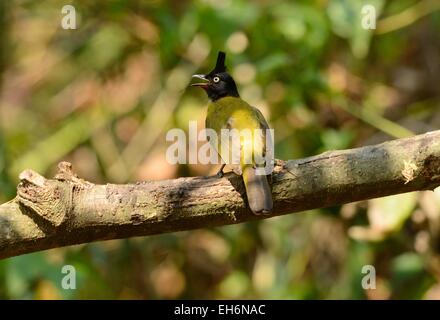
pixel 227 110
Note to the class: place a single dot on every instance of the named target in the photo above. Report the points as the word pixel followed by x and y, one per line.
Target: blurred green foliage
pixel 103 96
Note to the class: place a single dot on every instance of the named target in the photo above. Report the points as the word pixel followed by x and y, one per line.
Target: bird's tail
pixel 258 191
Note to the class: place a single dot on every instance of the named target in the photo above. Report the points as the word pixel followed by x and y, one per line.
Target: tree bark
pixel 66 210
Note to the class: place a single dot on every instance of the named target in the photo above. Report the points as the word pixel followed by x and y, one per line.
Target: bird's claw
pixel 280 163
pixel 220 172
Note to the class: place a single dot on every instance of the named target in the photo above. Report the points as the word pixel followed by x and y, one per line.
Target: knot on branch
pixel 51 200
pixel 65 173
pixel 431 169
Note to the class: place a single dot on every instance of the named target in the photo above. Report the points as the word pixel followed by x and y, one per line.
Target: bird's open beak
pixel 200 84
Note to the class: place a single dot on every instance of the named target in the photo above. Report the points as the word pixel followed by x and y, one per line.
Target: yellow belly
pixel 237 125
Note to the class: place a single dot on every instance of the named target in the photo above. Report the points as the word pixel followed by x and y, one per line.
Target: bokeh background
pixel 103 96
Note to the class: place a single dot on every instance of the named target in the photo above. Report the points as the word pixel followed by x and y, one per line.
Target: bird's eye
pixel 216 79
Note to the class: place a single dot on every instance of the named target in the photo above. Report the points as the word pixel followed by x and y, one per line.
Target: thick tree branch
pixel 49 213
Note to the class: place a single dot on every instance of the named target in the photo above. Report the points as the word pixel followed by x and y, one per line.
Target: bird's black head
pixel 218 83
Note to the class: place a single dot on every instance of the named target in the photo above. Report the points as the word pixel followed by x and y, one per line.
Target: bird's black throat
pixel 218 93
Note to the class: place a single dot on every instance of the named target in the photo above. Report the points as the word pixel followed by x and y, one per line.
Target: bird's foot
pixel 220 173
pixel 279 163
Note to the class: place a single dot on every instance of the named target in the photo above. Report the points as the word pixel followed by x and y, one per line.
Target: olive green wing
pixel 266 136
pixel 261 119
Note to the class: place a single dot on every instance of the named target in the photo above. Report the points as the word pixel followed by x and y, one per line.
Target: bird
pixel 226 110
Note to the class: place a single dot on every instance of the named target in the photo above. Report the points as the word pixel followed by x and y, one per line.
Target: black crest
pixel 220 65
